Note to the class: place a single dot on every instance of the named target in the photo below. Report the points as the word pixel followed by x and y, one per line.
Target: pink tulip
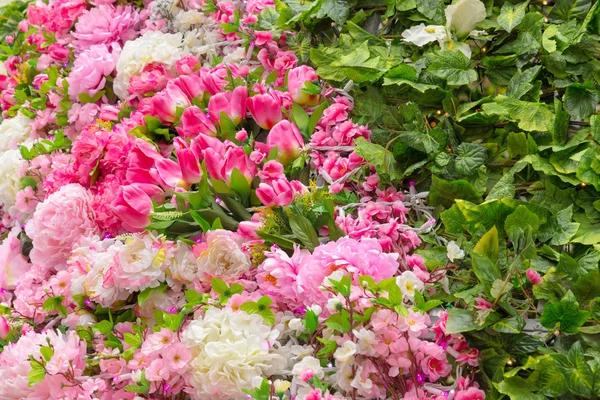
pixel 286 136
pixel 4 328
pixel 141 161
pixel 165 103
pixel 187 158
pixel 194 122
pixel 133 204
pixel 278 193
pixel 231 103
pixel 265 109
pixel 221 166
pixel 297 79
pixel 209 144
pixel 154 78
pixel 191 85
pixel 167 173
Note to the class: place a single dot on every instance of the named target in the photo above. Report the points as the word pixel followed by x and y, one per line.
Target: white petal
pixel 421 34
pixel 462 16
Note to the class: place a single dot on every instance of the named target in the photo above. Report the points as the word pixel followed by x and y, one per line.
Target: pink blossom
pixel 470 394
pixel 483 304
pixel 534 277
pixel 166 102
pixel 4 328
pixel 306 375
pixel 288 139
pixel 58 222
pixel 176 356
pixel 13 265
pixel 58 52
pixel 157 371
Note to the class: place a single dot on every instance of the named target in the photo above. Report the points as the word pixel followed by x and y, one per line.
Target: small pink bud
pixel 4 328
pixel 534 277
pixel 306 375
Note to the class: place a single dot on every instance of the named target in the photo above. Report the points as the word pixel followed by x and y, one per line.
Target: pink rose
pixel 154 78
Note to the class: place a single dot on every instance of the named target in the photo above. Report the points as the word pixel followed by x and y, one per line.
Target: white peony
pixel 453 252
pixel 223 256
pixel 141 264
pixel 155 46
pixel 409 283
pixel 10 180
pixel 229 349
pixel 14 131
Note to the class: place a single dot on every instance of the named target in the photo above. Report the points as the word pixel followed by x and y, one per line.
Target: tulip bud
pixel 297 80
pixel 4 328
pixel 133 204
pixel 265 109
pixel 286 136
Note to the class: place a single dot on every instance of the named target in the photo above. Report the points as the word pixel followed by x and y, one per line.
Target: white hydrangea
pixel 10 180
pixel 14 131
pixel 155 46
pixel 229 349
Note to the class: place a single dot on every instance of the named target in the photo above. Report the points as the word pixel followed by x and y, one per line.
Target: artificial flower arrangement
pixel 188 213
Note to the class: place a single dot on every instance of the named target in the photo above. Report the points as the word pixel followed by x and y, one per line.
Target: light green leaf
pixel 560 228
pixel 530 116
pixel 36 374
pixel 511 15
pixel 460 320
pixel 337 10
pixel 445 192
pixel 520 83
pixel 382 159
pixel 565 10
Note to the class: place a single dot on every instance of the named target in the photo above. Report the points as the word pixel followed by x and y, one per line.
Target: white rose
pixel 453 251
pixel 224 256
pixel 296 324
pixel 141 264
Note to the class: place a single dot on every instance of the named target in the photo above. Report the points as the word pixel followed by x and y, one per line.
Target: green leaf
pixel 588 171
pixel 339 322
pixel 566 312
pixel 133 340
pixel 337 10
pixel 218 285
pixel 530 116
pixel 240 184
pixel 329 347
pixel 382 159
pixel 517 388
pixel 303 229
pixel 460 320
pixel 520 83
pixel 103 327
pixel 469 157
pixel 311 321
pixel 445 192
pixel 46 352
pixel 301 120
pixel 580 101
pixel 488 245
pixel 453 66
pixel 522 218
pixel 509 325
pixel 419 141
pixel 143 295
pixel 565 10
pixel 36 374
pixel 511 15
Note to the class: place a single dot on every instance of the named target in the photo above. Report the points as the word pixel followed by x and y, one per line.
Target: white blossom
pixel 453 251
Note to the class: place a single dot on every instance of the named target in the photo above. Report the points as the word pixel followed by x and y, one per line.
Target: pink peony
pixel 106 24
pixel 57 223
pixel 154 78
pixel 90 71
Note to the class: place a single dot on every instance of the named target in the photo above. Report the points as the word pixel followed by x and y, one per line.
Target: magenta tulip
pixel 288 139
pixel 265 109
pixel 133 204
pixel 165 103
pixel 297 79
pixel 231 103
pixel 194 122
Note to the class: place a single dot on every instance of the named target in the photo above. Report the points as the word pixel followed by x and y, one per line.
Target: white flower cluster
pixel 155 46
pixel 229 349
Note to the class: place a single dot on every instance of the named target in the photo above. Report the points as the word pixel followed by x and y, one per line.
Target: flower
pixel 297 80
pixel 166 102
pixel 221 256
pixel 133 204
pixel 421 34
pixel 307 368
pixel 281 386
pixel 106 24
pixel 462 16
pixel 233 104
pixel 10 179
pixel 4 328
pixel 533 276
pixel 453 252
pixel 265 109
pixel 13 265
pixel 14 131
pixel 345 352
pixel 59 222
pixel 288 139
pixel 140 263
pixel 409 283
pixel 152 47
pixel 90 71
pixel 228 350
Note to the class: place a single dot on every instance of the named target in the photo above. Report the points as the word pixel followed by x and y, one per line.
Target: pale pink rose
pixel 59 222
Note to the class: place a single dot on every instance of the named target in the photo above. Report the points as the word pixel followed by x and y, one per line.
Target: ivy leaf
pixel 580 101
pixel 337 10
pixel 530 116
pixel 460 320
pixel 559 229
pixel 511 15
pixel 565 312
pixel 520 83
pixel 469 157
pixel 453 66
